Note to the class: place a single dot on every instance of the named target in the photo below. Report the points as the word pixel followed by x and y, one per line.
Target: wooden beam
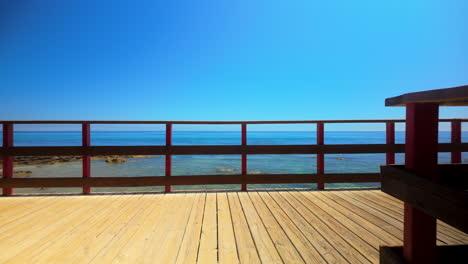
pixel 442 201
pixel 244 156
pixel 86 138
pixel 140 122
pixel 390 140
pixel 456 138
pixel 456 96
pixel 187 180
pixel 218 150
pixel 7 160
pixel 320 156
pixel 168 164
pixel 419 228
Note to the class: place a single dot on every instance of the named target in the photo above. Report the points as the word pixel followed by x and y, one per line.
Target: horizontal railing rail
pixel 8 151
pixel 218 149
pixel 345 121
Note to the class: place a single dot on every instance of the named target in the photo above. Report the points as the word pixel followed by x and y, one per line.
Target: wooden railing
pixel 8 151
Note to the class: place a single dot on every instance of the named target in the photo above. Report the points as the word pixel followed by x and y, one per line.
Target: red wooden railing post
pixel 168 156
pixel 320 156
pixel 244 156
pixel 7 160
pixel 390 141
pixel 86 137
pixel 419 236
pixel 456 138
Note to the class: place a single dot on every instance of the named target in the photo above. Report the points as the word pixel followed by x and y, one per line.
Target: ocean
pixel 213 164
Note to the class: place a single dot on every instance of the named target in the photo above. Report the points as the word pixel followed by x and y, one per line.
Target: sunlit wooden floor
pixel 225 227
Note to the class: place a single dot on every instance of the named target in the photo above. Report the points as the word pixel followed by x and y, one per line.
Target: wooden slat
pixel 166 228
pixel 170 243
pixel 134 245
pixel 363 229
pixel 188 250
pixel 444 234
pixel 443 202
pixel 85 246
pixel 37 242
pixel 265 247
pixel 320 243
pixel 327 231
pixel 245 244
pixel 227 249
pixel 208 250
pixel 355 240
pixel 186 180
pixel 456 96
pixel 210 122
pixel 308 252
pixel 218 150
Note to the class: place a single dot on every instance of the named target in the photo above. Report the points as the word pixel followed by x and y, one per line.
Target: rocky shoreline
pixel 49 160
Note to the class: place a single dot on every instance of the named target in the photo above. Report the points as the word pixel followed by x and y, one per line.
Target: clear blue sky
pixel 226 60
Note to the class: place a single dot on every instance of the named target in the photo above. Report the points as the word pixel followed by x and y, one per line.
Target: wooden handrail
pixel 215 122
pixel 218 149
pixel 8 151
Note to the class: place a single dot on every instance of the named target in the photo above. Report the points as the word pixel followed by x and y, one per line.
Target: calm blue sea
pixel 214 164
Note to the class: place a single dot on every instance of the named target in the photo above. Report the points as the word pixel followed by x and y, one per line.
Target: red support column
pixel 320 156
pixel 456 138
pixel 419 237
pixel 86 137
pixel 244 156
pixel 7 160
pixel 168 156
pixel 390 141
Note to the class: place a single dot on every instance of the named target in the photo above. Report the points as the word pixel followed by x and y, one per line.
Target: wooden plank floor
pixel 215 227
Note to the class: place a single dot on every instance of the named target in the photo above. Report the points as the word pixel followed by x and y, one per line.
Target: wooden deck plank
pixel 227 249
pixel 157 239
pixel 369 251
pixel 342 245
pixel 333 226
pixel 88 238
pixel 319 242
pixel 188 250
pixel 175 234
pixel 444 232
pixel 307 251
pixel 131 247
pixel 397 206
pixel 28 216
pixel 104 231
pixel 42 221
pixel 265 247
pixel 151 231
pixel 441 235
pixel 121 239
pixel 245 244
pixel 38 242
pixel 360 226
pixel 348 207
pixel 208 250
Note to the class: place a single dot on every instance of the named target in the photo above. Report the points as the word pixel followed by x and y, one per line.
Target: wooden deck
pixel 226 227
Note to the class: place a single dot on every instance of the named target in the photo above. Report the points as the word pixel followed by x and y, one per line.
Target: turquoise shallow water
pixel 214 164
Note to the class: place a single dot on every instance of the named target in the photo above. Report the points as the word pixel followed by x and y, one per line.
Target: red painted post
pixel 320 156
pixel 7 160
pixel 419 236
pixel 456 138
pixel 168 156
pixel 244 156
pixel 390 141
pixel 86 138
